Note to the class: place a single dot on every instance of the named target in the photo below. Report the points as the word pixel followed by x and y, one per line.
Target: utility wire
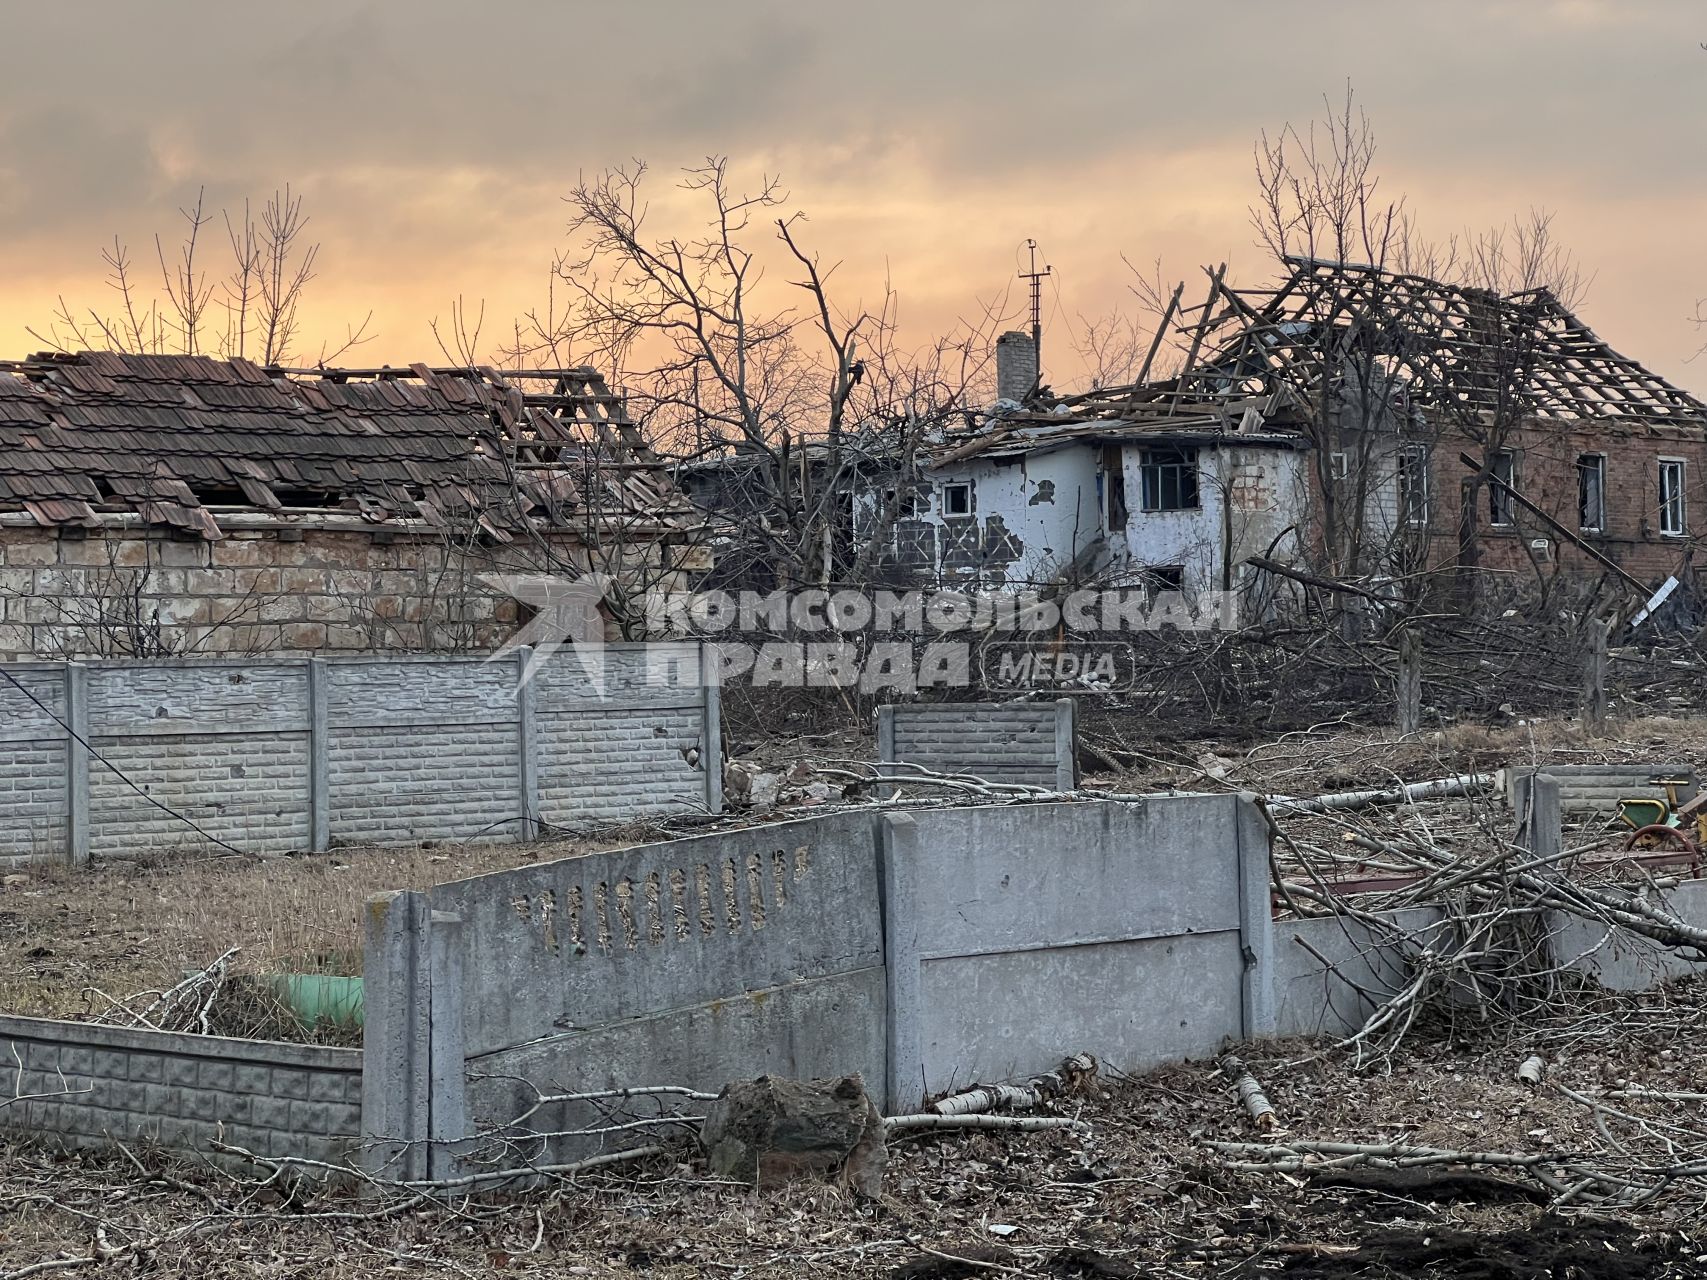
pixel 119 773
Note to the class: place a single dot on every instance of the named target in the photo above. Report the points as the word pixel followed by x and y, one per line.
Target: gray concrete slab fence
pixel 90 1086
pixel 923 949
pixel 1017 742
pixel 274 755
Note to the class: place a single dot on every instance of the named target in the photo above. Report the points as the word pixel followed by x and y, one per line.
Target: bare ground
pixel 1139 1195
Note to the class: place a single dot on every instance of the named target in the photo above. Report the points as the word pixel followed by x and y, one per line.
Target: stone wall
pixel 87 1086
pixel 116 593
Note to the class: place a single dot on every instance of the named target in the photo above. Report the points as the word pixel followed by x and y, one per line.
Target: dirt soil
pixel 1139 1195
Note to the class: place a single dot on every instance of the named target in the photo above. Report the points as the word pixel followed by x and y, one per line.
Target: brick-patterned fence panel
pixel 271 755
pixel 35 791
pixel 1018 742
pixel 1597 788
pixel 87 1086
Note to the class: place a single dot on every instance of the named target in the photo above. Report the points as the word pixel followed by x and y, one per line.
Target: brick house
pixel 164 505
pixel 1350 420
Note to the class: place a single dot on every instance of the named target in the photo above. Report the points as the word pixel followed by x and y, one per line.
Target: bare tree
pixel 260 296
pixel 796 396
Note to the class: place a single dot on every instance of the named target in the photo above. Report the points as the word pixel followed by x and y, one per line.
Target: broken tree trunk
pixel 1251 1096
pixel 1409 683
pixel 769 1131
pixel 1594 678
pixel 1463 784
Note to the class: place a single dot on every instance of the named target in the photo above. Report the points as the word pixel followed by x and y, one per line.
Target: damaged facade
pixel 1352 420
pixel 160 505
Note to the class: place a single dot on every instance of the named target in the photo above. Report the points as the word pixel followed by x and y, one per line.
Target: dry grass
pixel 126 927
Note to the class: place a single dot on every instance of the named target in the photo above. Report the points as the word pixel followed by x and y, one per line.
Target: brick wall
pixel 110 1084
pixel 1546 468
pixel 280 755
pixel 1016 742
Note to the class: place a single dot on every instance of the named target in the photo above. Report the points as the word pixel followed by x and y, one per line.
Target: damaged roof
pixel 1457 352
pixel 180 439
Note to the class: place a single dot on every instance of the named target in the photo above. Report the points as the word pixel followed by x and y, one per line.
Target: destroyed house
pixel 1349 419
pixel 1085 490
pixel 156 505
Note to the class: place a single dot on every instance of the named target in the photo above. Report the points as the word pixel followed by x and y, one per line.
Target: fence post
pixel 319 760
pixel 1594 678
pixel 905 1086
pixel 1409 683
pixel 711 733
pixel 397 1011
pixel 1066 746
pixel 447 1102
pixel 886 734
pixel 1256 918
pixel 77 764
pixel 1540 818
pixel 527 780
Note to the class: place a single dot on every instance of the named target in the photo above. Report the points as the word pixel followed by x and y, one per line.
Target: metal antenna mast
pixel 1035 278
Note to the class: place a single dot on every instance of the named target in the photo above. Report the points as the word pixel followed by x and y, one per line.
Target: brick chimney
pixel 1016 366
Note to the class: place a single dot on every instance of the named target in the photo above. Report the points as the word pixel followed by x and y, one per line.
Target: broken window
pixel 1413 484
pixel 1671 497
pixel 1502 507
pixel 1111 489
pixel 904 504
pixel 1169 477
pixel 1165 577
pixel 1591 492
pixel 957 499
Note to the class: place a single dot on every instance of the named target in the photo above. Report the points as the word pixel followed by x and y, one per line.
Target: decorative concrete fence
pixel 924 949
pixel 919 949
pixel 1021 742
pixel 275 755
pixel 89 1086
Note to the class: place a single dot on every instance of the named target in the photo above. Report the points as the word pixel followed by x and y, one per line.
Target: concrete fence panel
pixel 87 1086
pixel 692 962
pixel 224 743
pixel 1597 788
pixel 119 758
pixel 35 791
pixel 1018 935
pixel 1031 743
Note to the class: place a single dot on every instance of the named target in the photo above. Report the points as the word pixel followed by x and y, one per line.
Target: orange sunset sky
pixel 433 141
